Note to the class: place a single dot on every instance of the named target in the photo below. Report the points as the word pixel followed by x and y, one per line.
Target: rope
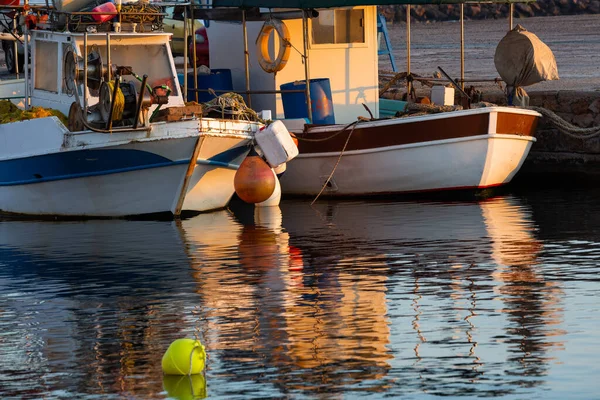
pixel 399 76
pixel 339 158
pixel 396 78
pixel 430 108
pixel 328 137
pixel 141 13
pixel 566 127
pixel 119 102
pixel 231 104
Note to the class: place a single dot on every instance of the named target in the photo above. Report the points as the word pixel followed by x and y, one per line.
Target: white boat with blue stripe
pixel 131 145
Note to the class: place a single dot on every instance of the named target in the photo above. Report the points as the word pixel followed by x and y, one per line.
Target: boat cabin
pixel 341 46
pixel 57 65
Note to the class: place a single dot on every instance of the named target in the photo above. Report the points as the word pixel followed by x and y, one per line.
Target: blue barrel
pixel 294 104
pixel 218 79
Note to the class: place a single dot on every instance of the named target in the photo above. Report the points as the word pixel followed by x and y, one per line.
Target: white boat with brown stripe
pixel 346 147
pixel 479 148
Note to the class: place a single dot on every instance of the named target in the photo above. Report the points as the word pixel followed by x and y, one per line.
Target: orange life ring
pixel 262 46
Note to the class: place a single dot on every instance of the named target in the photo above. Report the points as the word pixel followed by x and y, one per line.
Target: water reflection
pixel 266 311
pixel 532 302
pixel 81 305
pixel 441 260
pixel 389 298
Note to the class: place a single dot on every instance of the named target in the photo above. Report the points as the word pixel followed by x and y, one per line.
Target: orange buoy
pixel 254 181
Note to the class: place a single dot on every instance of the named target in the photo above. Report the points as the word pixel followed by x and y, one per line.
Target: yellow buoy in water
pixel 254 181
pixel 184 357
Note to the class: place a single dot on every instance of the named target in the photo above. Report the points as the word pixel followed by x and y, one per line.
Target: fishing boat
pixel 130 144
pixel 346 147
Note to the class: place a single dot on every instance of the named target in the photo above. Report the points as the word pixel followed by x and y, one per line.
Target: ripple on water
pixel 380 298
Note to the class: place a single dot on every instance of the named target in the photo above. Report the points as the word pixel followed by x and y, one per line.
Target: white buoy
pixel 275 197
pixel 269 218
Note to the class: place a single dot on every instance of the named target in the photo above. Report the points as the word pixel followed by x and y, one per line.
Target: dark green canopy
pixel 341 3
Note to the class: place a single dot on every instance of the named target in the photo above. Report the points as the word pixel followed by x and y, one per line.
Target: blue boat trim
pixel 230 159
pixel 90 163
pixel 232 155
pixel 217 164
pixel 77 164
pixel 90 174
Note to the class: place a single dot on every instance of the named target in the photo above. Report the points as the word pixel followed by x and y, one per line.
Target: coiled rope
pixel 119 102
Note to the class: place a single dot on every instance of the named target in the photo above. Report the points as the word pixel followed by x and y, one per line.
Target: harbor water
pixel 345 299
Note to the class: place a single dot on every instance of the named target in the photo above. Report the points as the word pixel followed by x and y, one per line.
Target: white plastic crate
pixel 442 96
pixel 276 144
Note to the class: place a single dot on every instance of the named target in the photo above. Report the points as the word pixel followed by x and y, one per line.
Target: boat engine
pixel 115 107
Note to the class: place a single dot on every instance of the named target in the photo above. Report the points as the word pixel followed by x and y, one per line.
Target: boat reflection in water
pixel 463 276
pixel 328 301
pixel 264 311
pixel 398 298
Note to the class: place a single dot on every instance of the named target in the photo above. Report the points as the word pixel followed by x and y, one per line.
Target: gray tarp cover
pixel 522 59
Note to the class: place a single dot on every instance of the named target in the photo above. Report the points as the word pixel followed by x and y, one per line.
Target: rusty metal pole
pixel 16 49
pixel 195 66
pixel 246 58
pixel 462 46
pixel 185 57
pixel 306 66
pixel 108 60
pixel 85 74
pixel 408 83
pixel 26 62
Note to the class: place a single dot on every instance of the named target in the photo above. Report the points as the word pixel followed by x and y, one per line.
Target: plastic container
pixel 442 96
pixel 294 104
pixel 106 7
pixel 218 79
pixel 276 144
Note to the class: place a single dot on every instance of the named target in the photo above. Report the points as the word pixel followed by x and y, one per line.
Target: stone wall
pixel 556 153
pixel 445 12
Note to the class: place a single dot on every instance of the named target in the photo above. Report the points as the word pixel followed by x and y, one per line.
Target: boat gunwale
pixel 420 144
pixel 429 117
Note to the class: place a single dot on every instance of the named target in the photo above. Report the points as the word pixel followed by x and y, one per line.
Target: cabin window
pixel 339 26
pixel 46 66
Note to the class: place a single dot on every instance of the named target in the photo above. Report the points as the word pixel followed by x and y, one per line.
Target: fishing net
pixel 11 113
pixel 229 105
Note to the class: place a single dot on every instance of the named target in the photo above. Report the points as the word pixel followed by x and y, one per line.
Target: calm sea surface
pixel 498 298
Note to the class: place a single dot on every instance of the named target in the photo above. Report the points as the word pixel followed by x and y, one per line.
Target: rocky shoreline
pixel 448 12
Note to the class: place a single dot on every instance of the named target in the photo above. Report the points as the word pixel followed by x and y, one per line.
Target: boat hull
pixel 472 149
pixel 114 181
pixel 219 157
pixel 211 185
pixel 87 174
